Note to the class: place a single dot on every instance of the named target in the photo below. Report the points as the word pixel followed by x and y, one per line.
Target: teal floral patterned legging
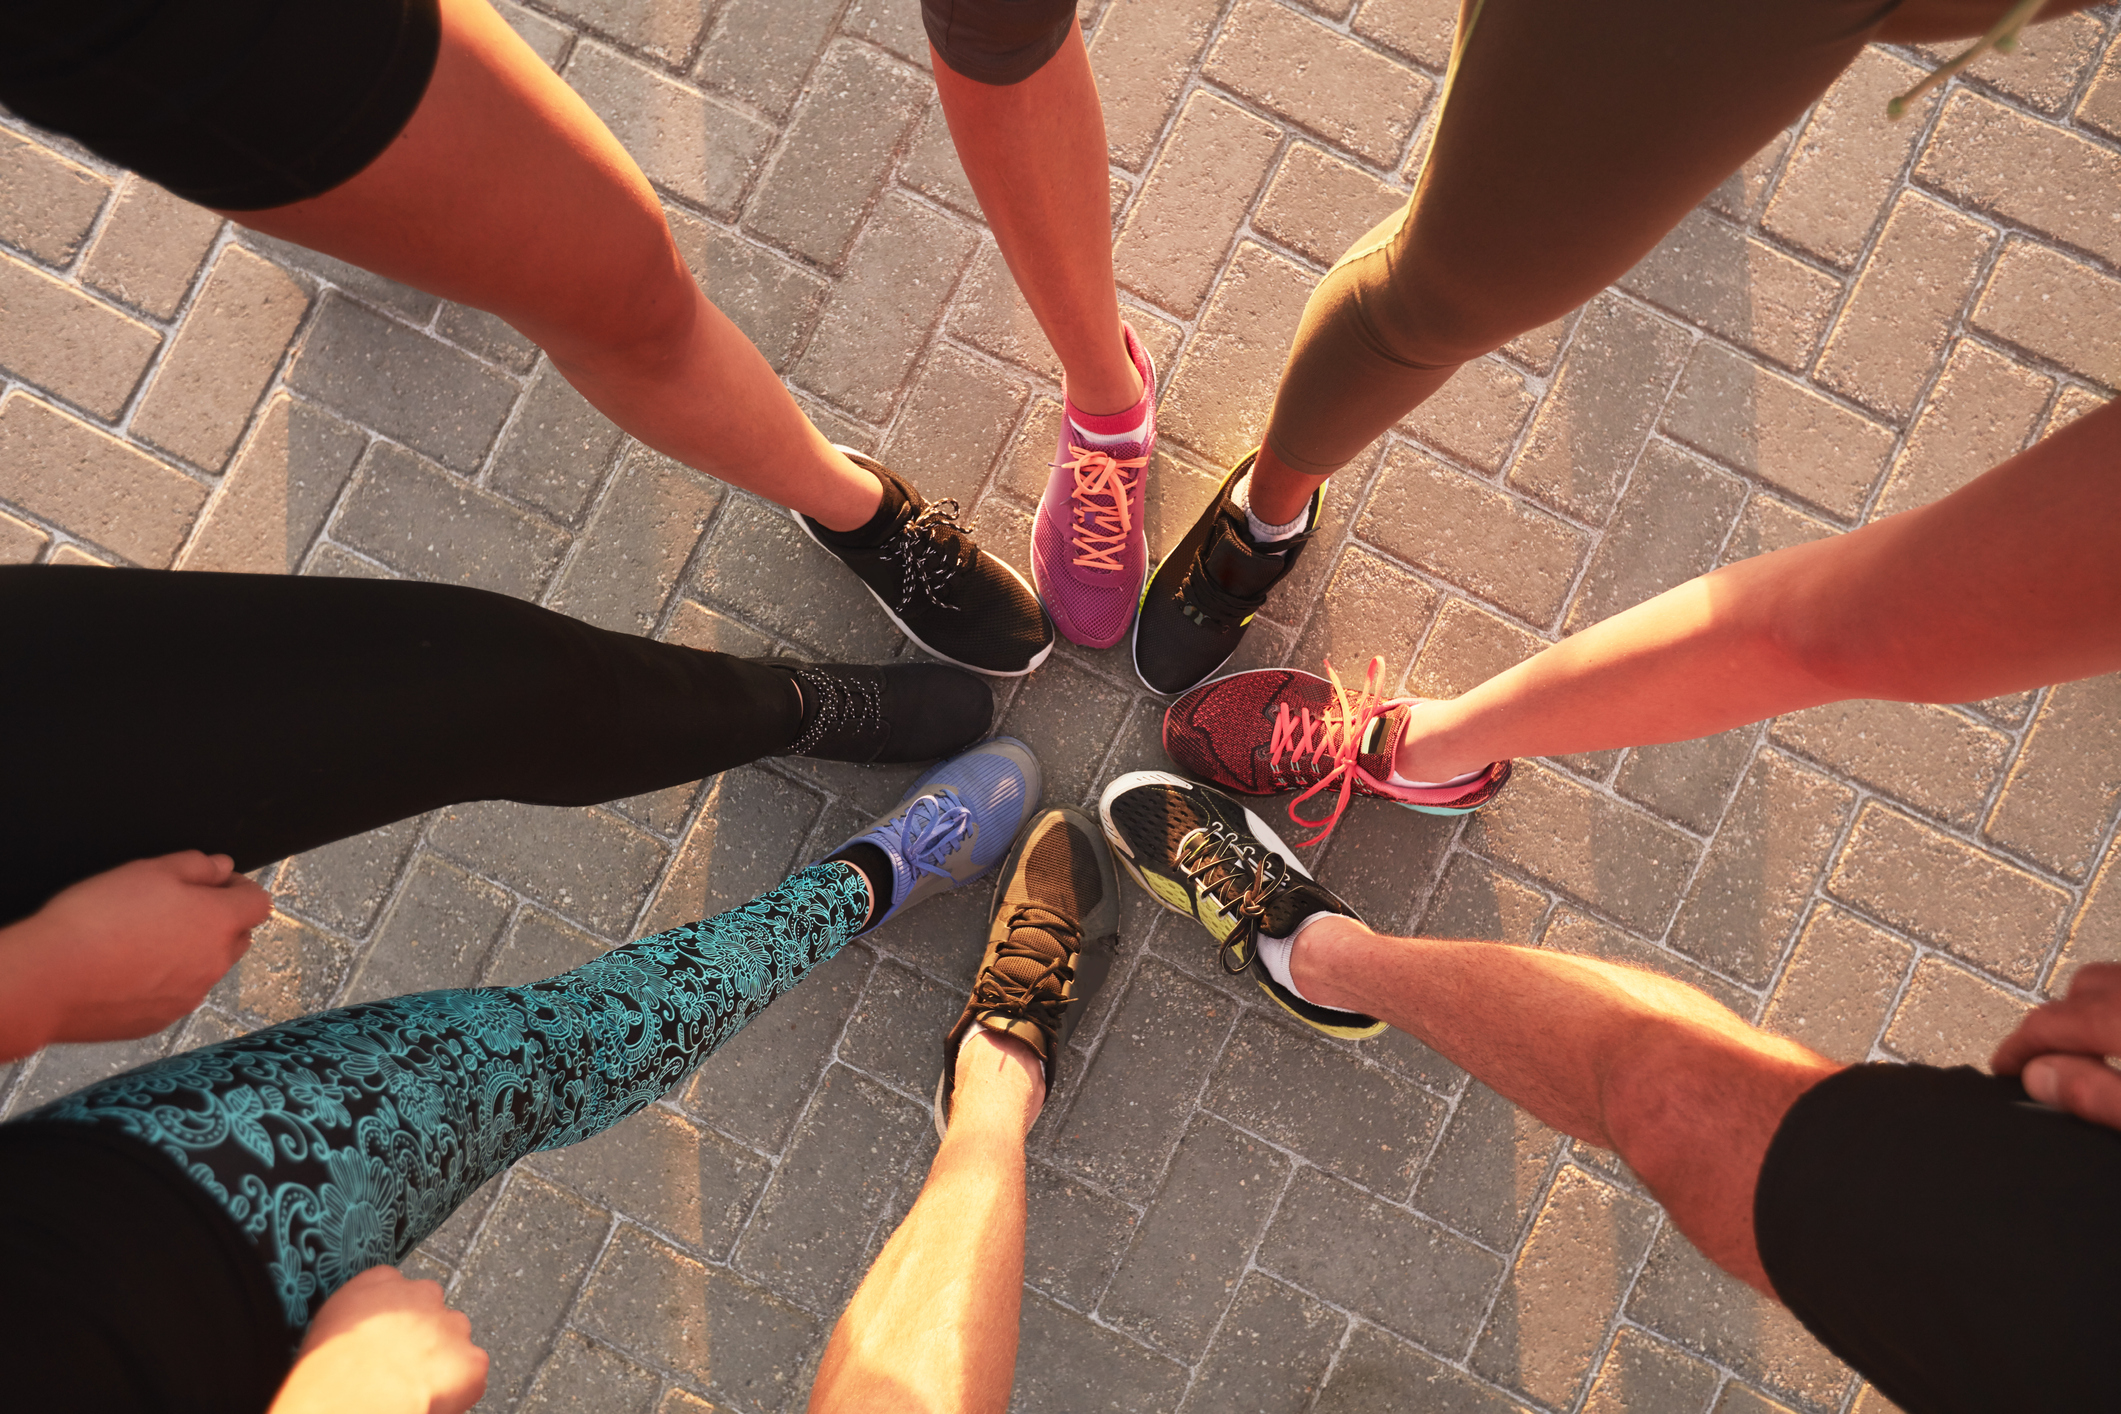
pixel 340 1140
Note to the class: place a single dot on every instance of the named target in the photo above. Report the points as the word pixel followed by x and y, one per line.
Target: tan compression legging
pixel 1574 135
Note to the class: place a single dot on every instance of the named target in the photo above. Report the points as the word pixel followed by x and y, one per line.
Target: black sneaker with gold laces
pixel 1202 596
pixel 1201 853
pixel 1050 944
pixel 944 592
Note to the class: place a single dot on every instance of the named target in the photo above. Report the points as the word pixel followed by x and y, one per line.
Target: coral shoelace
pixel 1335 735
pixel 1100 533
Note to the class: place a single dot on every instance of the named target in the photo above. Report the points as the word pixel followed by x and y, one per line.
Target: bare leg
pixel 1035 154
pixel 507 193
pixel 1660 1073
pixel 2012 581
pixel 933 1325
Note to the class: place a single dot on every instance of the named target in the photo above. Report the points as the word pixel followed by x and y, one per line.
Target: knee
pixel 1427 314
pixel 634 303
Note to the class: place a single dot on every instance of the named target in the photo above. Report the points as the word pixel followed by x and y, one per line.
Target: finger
pixel 2095 979
pixel 247 904
pixel 2084 1028
pixel 2085 1087
pixel 194 867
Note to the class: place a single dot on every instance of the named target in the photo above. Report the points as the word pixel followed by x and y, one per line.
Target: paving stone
pixel 1713 274
pixel 539 945
pixel 848 1154
pixel 2012 709
pixel 1361 1122
pixel 1839 986
pixel 1681 1295
pixel 521 1277
pixel 225 354
pixel 342 884
pixel 1190 1251
pixel 689 1184
pixel 1376 1374
pixel 697 149
pixel 1319 205
pixel 1589 430
pixel 1382 1262
pixel 1931 757
pixel 1741 194
pixel 762 565
pixel 678 1401
pixel 415 517
pixel 1489 1171
pixel 60 339
pixel 1370 608
pixel 276 496
pixel 2060 796
pixel 2047 66
pixel 1065 1365
pixel 413 306
pixel 898 277
pixel 2100 107
pixel 1466 648
pixel 418 390
pixel 637 543
pixel 1350 95
pixel 896 1034
pixel 2053 307
pixel 1667 529
pixel 753 1087
pixel 1171 249
pixel 1475 901
pixel 1131 1106
pixel 60 1070
pixel 1767 525
pixel 149 249
pixel 486 334
pixel 1737 1399
pixel 1073 1236
pixel 952 427
pixel 547 39
pixel 449 1242
pixel 990 314
pixel 1890 335
pixel 557 450
pixel 760 52
pixel 1869 1401
pixel 1549 1324
pixel 1767 857
pixel 1687 781
pixel 441 924
pixel 2072 403
pixel 1980 155
pixel 827 170
pixel 583 864
pixel 1981 412
pixel 20 542
pixel 92 484
pixel 1951 1017
pixel 931 165
pixel 291 970
pixel 1847 159
pixel 750 1350
pixel 1773 428
pixel 772 300
pixel 1949 894
pixel 1270 1353
pixel 1628 864
pixel 1143 54
pixel 1642 1375
pixel 1515 556
pixel 1223 388
pixel 48 205
pixel 1381 858
pixel 1420 29
pixel 1476 416
pixel 664 31
pixel 582 1378
pixel 1064 714
pixel 896 28
pixel 1540 349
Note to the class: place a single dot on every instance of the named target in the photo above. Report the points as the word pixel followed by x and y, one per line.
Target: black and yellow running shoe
pixel 1201 853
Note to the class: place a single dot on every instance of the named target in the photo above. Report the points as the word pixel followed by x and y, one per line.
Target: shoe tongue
pixel 1381 739
pixel 1238 568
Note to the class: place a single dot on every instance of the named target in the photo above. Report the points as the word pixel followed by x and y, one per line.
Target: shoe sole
pixel 925 646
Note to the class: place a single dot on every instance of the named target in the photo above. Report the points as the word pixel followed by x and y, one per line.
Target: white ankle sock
pixel 1263 533
pixel 1276 952
pixel 1465 780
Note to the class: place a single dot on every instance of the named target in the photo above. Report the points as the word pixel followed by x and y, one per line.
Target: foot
pixel 958 602
pixel 1202 854
pixel 1050 945
pixel 892 714
pixel 1203 595
pixel 952 825
pixel 1277 730
pixel 1088 552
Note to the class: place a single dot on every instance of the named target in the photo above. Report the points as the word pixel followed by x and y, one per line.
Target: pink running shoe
pixel 1088 553
pixel 1276 729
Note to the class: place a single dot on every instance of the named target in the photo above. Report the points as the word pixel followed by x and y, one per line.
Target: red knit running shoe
pixel 1276 729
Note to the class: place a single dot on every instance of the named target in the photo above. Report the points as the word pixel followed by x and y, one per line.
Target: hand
pixel 2059 1051
pixel 126 952
pixel 385 1345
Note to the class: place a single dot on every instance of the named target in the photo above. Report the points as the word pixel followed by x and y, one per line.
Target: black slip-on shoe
pixel 890 714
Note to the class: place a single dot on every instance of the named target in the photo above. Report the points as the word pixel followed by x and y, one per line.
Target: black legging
pixel 290 712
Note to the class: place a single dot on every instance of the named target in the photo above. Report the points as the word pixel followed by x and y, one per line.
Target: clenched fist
pixel 385 1345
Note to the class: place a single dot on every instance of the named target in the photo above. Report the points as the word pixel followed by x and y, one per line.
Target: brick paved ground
pixel 1856 323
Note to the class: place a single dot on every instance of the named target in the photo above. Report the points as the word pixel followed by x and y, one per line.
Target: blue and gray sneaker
pixel 955 823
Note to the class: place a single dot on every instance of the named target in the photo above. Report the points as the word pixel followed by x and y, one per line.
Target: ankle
pixel 1000 1082
pixel 1316 961
pixel 1113 387
pixel 849 498
pixel 1277 494
pixel 1427 752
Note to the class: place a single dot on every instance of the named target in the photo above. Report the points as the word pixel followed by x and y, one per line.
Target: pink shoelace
pixel 1336 736
pixel 1100 534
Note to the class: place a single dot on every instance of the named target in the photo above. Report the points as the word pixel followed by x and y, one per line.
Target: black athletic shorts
pixel 997 41
pixel 235 104
pixel 1955 1242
